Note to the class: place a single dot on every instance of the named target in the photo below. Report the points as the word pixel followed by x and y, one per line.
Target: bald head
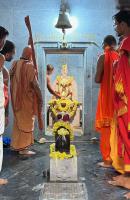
pixel 27 53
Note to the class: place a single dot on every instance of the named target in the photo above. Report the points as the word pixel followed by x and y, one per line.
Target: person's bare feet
pixel 121 181
pixel 127 195
pixel 104 164
pixel 27 152
pixel 117 177
pixel 3 181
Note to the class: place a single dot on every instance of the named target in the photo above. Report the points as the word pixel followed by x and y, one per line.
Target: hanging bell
pixel 63 21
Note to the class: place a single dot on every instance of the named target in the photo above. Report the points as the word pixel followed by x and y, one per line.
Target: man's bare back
pixel 50 88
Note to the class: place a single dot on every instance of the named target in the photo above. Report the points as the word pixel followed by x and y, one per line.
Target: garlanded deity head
pixel 64 70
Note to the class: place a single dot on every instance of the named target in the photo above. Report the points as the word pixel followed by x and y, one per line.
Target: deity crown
pixel 64 66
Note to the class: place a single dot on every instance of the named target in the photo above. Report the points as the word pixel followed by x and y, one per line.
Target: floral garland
pixel 63 110
pixel 63 132
pixel 64 105
pixel 64 128
pixel 57 155
pixel 72 110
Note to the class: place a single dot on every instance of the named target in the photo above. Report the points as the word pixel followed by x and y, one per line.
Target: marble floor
pixel 25 174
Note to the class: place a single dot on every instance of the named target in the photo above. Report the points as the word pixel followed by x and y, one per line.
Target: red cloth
pixel 122 77
pixel 122 102
pixel 124 141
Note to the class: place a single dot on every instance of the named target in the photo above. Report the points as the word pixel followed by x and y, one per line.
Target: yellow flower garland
pixel 72 110
pixel 65 125
pixel 63 132
pixel 58 155
pixel 64 105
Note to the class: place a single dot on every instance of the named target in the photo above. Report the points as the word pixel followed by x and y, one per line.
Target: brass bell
pixel 63 21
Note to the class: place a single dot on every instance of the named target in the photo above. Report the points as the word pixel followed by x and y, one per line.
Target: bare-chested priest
pixel 49 71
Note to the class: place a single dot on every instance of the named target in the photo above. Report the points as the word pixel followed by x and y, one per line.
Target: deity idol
pixel 65 85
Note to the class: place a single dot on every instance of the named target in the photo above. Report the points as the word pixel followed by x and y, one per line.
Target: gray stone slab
pixel 64 191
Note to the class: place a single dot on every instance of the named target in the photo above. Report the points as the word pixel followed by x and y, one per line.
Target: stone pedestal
pixel 63 170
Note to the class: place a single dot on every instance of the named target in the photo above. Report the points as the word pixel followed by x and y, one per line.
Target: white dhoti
pixel 1 152
pixel 2 126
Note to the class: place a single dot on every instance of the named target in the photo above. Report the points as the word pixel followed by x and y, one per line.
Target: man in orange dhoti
pixel 24 88
pixel 104 113
pixel 122 97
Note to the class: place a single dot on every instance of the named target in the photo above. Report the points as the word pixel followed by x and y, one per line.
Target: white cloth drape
pixel 2 117
pixel 2 98
pixel 2 126
pixel 1 152
pixel 2 120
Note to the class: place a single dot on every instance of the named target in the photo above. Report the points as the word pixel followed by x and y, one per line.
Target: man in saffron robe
pixel 104 113
pixel 24 90
pixel 122 97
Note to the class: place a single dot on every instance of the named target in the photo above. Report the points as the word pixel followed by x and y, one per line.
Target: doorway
pixel 80 58
pixel 73 61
